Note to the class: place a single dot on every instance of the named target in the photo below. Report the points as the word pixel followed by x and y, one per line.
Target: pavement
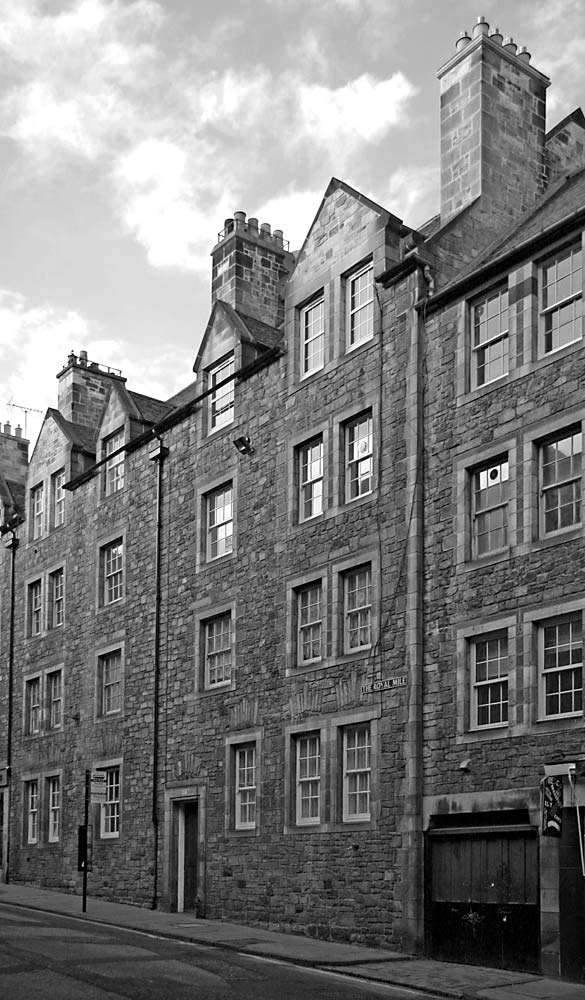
pixel 438 979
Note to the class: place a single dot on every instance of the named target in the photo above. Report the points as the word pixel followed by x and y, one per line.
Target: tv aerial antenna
pixel 26 410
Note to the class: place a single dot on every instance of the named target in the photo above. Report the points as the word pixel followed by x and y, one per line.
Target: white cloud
pixel 73 78
pixel 179 144
pixel 362 110
pixel 560 53
pixel 413 194
pixel 35 342
pixel 160 204
pixel 292 212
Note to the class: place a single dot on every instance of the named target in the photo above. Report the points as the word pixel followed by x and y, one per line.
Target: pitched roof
pixel 82 437
pixel 184 395
pixel 261 333
pixel 151 410
pixel 563 203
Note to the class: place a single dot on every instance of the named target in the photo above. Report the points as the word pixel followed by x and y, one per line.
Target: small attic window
pixel 114 467
pixel 221 396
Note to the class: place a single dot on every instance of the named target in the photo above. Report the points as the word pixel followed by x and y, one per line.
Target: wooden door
pixel 483 907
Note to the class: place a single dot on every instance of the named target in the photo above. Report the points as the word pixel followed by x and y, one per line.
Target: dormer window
pixel 221 396
pixel 114 467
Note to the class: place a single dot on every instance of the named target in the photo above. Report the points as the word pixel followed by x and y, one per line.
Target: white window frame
pixel 245 785
pixel 35 607
pixel 489 679
pixel 490 337
pixel 357 608
pixel 561 297
pixel 309 621
pixel 32 811
pixel 113 568
pixel 54 685
pixel 221 400
pixel 33 705
pixel 565 480
pixel 219 506
pixel 111 809
pixel 53 808
pixel 218 650
pixel 58 494
pixel 110 683
pixel 359 309
pixel 310 472
pixel 357 772
pixel 572 620
pixel 37 509
pixel 359 456
pixel 490 506
pixel 114 469
pixel 57 598
pixel 312 325
pixel 308 779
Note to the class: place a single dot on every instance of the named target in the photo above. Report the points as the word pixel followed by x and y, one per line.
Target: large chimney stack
pixel 83 389
pixel 493 106
pixel 250 264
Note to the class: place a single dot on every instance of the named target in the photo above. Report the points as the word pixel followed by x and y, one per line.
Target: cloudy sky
pixel 130 129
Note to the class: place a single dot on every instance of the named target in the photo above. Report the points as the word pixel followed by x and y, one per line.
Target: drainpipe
pixel 157 454
pixel 10 527
pixel 412 901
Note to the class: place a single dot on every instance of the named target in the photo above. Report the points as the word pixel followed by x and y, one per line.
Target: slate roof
pixel 184 396
pixel 565 201
pixel 82 437
pixel 151 410
pixel 261 333
pixel 12 495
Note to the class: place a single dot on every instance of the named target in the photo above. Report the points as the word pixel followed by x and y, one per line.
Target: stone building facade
pixel 315 623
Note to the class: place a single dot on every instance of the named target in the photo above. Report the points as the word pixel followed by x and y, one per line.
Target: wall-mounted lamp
pixel 243 445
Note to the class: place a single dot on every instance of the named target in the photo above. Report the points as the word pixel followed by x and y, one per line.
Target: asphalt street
pixel 49 957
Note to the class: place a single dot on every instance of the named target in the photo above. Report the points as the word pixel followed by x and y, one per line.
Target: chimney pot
pixel 524 54
pixel 83 358
pixel 510 46
pixel 481 28
pixel 278 236
pixel 7 428
pixel 18 431
pixel 462 41
pixel 228 226
pixel 496 36
pixel 240 219
pixel 265 229
pixel 253 224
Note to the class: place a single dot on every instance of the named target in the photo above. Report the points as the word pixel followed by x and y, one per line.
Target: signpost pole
pixel 86 824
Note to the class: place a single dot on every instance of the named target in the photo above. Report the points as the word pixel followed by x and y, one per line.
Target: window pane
pixel 220 523
pixel 361 306
pixel 490 508
pixel 359 457
pixel 221 399
pixel 313 337
pixel 218 650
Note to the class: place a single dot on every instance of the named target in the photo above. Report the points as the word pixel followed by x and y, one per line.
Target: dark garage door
pixel 482 897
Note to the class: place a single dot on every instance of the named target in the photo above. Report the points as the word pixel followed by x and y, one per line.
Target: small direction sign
pixel 386 685
pixel 97 787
